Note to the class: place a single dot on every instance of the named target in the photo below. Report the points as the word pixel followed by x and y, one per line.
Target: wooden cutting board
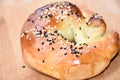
pixel 13 14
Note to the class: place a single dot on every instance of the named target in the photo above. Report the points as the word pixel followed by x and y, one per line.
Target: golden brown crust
pixel 57 41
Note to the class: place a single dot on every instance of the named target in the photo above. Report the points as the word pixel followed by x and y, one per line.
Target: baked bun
pixel 61 41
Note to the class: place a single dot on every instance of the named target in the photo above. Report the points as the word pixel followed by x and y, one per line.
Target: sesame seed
pixel 50 43
pixel 23 66
pixel 76 62
pixel 55 31
pixel 38 49
pixel 57 21
pixel 29 38
pixel 75 43
pixel 87 23
pixel 94 46
pixel 52 48
pixel 62 20
pixel 42 43
pixel 79 28
pixel 68 14
pixel 50 15
pixel 84 17
pixel 81 48
pixel 65 47
pixel 61 48
pixel 51 5
pixel 28 20
pixel 77 56
pixel 46 16
pixel 66 71
pixel 41 16
pixel 22 35
pixel 51 67
pixel 65 38
pixel 33 21
pixel 65 53
pixel 71 46
pixel 25 33
pixel 88 51
pixel 43 61
pixel 61 59
pixel 62 12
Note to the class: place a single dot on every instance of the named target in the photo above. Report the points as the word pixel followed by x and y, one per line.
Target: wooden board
pixel 13 14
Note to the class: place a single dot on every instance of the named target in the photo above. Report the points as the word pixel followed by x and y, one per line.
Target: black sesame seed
pixel 77 56
pixel 65 53
pixel 46 16
pixel 94 46
pixel 65 48
pixel 49 40
pixel 62 36
pixel 74 5
pixel 50 15
pixel 62 12
pixel 69 4
pixel 33 21
pixel 28 20
pixel 75 43
pixel 55 31
pixel 75 48
pixel 52 48
pixel 51 5
pixel 76 13
pixel 25 33
pixel 41 16
pixel 65 38
pixel 88 37
pixel 72 13
pixel 43 61
pixel 52 34
pixel 81 48
pixel 50 43
pixel 40 32
pixel 68 14
pixel 42 43
pixel 79 28
pixel 80 53
pixel 38 49
pixel 45 34
pixel 87 23
pixel 62 20
pixel 86 44
pixel 48 8
pixel 23 66
pixel 58 34
pixel 71 46
pixel 61 48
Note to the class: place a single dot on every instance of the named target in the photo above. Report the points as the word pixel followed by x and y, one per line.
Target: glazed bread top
pixel 59 40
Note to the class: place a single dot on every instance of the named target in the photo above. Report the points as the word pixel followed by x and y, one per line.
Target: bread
pixel 61 41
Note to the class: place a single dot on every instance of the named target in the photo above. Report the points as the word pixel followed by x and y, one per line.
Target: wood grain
pixel 13 14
